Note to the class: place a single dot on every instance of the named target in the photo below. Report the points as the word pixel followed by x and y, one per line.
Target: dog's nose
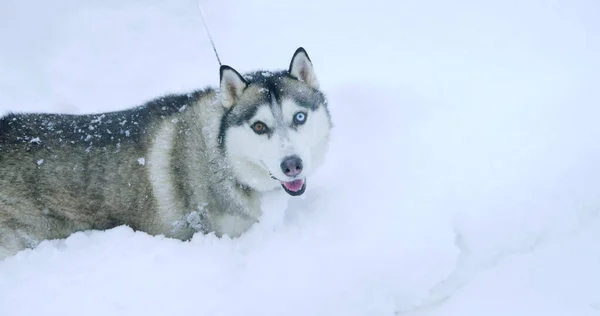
pixel 291 166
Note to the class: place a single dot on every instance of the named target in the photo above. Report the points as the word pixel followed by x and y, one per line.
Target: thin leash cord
pixel 208 32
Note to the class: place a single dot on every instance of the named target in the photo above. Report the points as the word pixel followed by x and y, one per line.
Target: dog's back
pixel 62 173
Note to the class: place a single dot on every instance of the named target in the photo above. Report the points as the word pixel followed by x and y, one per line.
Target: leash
pixel 208 32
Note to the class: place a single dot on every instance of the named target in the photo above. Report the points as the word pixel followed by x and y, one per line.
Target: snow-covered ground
pixel 463 176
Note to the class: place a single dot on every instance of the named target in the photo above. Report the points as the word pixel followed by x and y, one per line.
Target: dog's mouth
pixel 295 187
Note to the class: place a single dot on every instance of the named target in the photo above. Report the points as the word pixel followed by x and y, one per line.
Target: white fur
pixel 265 115
pixel 11 242
pixel 254 156
pixel 5 252
pixel 233 225
pixel 311 140
pixel 9 246
pixel 245 150
pixel 159 160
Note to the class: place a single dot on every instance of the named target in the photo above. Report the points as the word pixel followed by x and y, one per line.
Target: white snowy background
pixel 463 177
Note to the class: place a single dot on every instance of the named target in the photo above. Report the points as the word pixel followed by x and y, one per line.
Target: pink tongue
pixel 295 185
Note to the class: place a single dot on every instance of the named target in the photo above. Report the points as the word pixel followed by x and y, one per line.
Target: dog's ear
pixel 232 86
pixel 301 67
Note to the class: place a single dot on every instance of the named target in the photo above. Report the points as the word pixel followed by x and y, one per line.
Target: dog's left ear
pixel 232 86
pixel 301 67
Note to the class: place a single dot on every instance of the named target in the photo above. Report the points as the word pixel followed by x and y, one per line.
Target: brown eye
pixel 259 127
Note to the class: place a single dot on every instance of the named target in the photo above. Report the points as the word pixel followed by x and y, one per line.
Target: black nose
pixel 291 166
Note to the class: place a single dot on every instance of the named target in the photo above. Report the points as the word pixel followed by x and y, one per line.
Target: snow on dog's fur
pixel 176 165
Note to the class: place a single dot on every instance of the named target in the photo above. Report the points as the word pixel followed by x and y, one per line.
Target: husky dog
pixel 174 166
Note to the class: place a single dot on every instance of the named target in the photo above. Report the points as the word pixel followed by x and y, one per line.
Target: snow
pixel 462 177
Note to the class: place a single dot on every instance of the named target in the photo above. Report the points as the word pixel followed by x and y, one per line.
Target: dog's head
pixel 275 131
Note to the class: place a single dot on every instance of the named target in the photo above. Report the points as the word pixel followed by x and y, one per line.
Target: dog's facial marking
pixel 262 122
pixel 286 129
pixel 276 110
pixel 277 115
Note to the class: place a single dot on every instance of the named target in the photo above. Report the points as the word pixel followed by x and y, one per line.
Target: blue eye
pixel 300 118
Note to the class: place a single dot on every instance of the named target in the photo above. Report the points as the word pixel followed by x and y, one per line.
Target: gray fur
pixel 65 173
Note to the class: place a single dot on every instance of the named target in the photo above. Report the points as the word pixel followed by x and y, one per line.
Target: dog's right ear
pixel 232 86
